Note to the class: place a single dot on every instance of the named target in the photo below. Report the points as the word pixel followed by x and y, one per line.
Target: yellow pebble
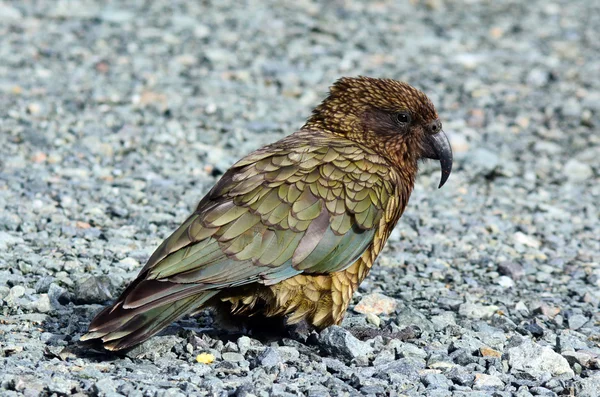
pixel 205 358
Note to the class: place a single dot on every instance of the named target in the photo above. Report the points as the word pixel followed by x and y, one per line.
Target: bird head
pixel 393 118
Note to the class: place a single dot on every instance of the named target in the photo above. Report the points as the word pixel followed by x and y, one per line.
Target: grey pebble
pixel 487 382
pixel 269 358
pixel 577 321
pixel 436 381
pixel 339 342
pixel 413 317
pixel 93 289
pixel 576 171
pixel 589 386
pixel 511 269
pixel 233 357
pixel 536 361
pixel 477 311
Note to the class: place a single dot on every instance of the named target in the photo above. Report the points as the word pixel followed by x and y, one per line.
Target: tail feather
pixel 123 311
pixel 119 328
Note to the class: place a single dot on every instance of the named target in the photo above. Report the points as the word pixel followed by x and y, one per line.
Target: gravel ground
pixel 116 117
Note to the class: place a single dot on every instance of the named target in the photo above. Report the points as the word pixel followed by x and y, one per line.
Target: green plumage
pixel 295 225
pixel 294 209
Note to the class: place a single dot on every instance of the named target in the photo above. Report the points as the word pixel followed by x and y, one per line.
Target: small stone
pixel 93 289
pixel 487 382
pixel 288 353
pixel 407 350
pixel 105 386
pixel 129 263
pixel 571 107
pixel 43 283
pixel 460 376
pixel 581 357
pixel 8 240
pixel 384 356
pixel 29 385
pixel 520 306
pixel 534 328
pixel 505 282
pixel 157 345
pixel 33 108
pixel 592 101
pixel 436 381
pixel 4 292
pixel 43 304
pixel 577 321
pixel 576 171
pixel 211 108
pixel 511 269
pixel 231 347
pixel 546 310
pixel 8 13
pixel 269 358
pixel 57 295
pixel 594 299
pixel 537 361
pixel 376 304
pixel 469 60
pixel 246 344
pixel 496 32
pixel 117 16
pixel 529 241
pixel 39 157
pixel 10 349
pixel 17 291
pixel 589 387
pixel 201 31
pixel 337 341
pixel 413 317
pixel 477 311
pixel 60 385
pixel 443 321
pixel 489 352
pixel 233 357
pixel 538 77
pixel 373 319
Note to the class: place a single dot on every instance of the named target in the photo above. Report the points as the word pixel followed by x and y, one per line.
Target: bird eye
pixel 403 118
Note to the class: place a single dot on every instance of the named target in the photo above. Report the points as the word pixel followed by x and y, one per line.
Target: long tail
pixel 124 325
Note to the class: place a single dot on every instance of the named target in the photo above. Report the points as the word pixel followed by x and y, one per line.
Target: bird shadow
pixel 71 321
pixel 204 329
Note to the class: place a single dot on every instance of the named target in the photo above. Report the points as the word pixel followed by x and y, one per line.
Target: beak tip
pixel 446 170
pixel 438 148
pixel 443 181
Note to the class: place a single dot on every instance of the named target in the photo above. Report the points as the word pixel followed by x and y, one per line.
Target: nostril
pixel 435 127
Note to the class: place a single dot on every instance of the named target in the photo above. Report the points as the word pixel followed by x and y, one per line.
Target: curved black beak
pixel 437 147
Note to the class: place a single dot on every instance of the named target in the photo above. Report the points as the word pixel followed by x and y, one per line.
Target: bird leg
pixel 301 331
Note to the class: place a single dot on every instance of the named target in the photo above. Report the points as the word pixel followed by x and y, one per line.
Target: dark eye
pixel 403 118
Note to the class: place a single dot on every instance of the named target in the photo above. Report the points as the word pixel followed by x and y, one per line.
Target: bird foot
pixel 301 332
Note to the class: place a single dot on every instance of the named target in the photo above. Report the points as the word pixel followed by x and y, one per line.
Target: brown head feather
pixel 364 110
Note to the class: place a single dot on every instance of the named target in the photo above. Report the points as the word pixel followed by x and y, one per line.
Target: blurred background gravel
pixel 116 117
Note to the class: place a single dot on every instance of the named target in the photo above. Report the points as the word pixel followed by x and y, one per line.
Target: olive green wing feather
pixel 302 205
pixel 278 214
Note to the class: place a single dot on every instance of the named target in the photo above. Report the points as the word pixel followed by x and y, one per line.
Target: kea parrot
pixel 293 228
